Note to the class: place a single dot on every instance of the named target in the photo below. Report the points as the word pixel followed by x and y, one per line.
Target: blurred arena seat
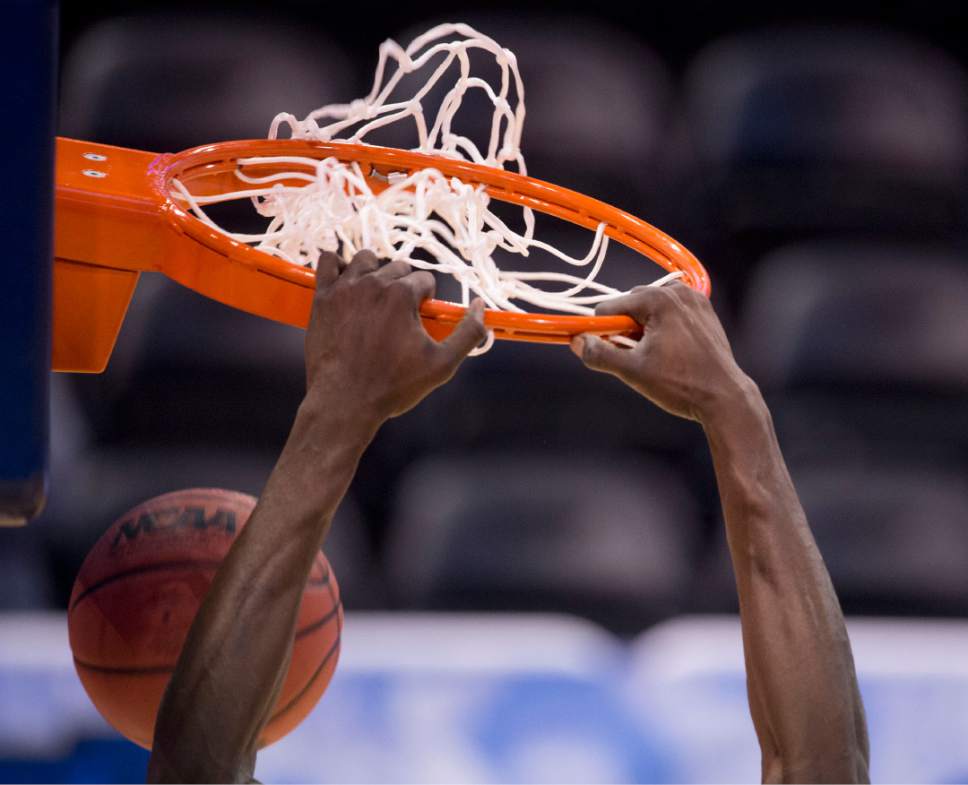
pixel 858 314
pixel 795 131
pixel 188 370
pixel 28 578
pixel 856 346
pixel 894 537
pixel 524 394
pixel 608 536
pixel 523 397
pixel 170 80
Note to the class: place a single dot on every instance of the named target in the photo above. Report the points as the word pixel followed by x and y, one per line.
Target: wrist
pixel 327 416
pixel 737 400
pixel 327 439
pixel 318 462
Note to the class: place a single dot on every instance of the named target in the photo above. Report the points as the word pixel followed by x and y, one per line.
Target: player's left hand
pixel 683 362
pixel 366 344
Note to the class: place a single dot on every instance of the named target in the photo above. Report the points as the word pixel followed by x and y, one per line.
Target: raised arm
pixel 803 693
pixel 367 359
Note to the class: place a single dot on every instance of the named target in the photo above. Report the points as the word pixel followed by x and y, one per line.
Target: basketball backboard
pixel 30 33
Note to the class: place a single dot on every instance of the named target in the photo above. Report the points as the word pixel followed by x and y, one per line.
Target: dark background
pixel 675 30
pixel 813 156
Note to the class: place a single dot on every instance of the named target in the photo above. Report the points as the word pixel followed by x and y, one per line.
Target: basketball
pixel 139 589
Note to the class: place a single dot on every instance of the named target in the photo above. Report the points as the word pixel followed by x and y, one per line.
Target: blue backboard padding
pixel 29 50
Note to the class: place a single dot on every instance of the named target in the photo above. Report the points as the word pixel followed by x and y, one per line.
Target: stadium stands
pixel 796 132
pixel 820 174
pixel 609 536
pixel 850 338
pixel 170 80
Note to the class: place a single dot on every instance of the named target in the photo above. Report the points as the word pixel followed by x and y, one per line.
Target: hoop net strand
pixel 434 222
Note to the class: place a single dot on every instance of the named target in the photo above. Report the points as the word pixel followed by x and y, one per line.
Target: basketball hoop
pixel 120 212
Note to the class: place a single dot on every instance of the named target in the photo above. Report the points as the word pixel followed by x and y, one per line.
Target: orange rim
pixel 209 169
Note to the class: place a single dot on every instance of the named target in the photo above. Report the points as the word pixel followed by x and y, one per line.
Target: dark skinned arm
pixel 803 693
pixel 368 359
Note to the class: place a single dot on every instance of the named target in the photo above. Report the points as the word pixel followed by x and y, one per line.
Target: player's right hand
pixel 366 348
pixel 683 362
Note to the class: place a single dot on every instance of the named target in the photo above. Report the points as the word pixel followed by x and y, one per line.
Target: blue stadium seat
pixel 499 698
pixel 606 536
pixel 688 682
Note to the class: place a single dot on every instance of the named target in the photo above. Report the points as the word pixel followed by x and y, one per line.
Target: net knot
pixel 361 109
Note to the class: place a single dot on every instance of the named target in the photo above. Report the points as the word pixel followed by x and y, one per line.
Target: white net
pixel 434 222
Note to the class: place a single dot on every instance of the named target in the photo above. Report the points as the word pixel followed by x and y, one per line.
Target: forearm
pixel 802 687
pixel 237 652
